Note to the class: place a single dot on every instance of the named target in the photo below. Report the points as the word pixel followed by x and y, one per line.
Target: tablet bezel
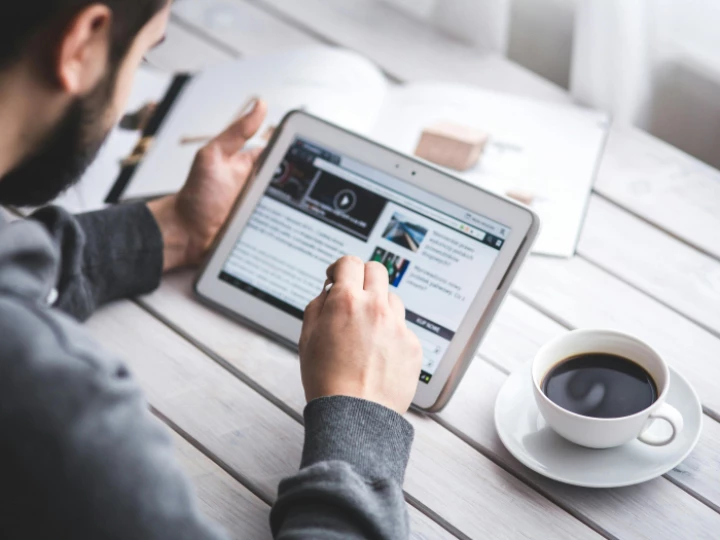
pixel 521 221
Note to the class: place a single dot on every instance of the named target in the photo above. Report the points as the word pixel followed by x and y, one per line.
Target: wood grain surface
pixel 222 498
pixel 233 423
pixel 439 461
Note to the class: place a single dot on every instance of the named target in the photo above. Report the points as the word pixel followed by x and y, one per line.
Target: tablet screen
pixel 321 205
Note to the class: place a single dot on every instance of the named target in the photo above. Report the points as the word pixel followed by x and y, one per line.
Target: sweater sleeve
pixel 104 256
pixel 81 456
pixel 351 474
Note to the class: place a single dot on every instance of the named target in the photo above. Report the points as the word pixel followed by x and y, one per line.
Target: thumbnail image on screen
pixel 404 233
pixel 396 265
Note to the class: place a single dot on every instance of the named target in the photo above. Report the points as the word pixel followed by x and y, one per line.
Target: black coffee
pixel 600 385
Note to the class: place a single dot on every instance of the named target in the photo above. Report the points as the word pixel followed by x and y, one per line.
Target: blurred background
pixel 654 64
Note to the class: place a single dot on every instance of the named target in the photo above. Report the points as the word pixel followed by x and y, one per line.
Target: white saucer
pixel 525 434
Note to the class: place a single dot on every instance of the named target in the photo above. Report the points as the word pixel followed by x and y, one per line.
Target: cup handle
pixel 671 415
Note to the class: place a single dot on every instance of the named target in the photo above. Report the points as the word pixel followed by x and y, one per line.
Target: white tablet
pixel 320 192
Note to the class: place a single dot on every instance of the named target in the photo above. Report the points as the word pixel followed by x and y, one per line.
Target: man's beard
pixel 65 153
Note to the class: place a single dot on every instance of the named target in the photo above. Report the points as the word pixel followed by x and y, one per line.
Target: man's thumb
pixel 237 134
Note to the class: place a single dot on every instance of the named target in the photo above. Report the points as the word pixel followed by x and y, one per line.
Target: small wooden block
pixel 452 145
pixel 524 197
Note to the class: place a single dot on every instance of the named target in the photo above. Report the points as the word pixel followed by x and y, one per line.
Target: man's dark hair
pixel 21 21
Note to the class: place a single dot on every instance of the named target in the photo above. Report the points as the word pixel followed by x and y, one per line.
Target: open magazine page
pixel 90 192
pixel 338 85
pixel 544 153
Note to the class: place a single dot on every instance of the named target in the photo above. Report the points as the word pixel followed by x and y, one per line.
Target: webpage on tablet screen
pixel 321 205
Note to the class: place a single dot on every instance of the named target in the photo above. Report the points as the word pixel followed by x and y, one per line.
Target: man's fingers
pixel 396 305
pixel 313 309
pixel 348 272
pixel 376 278
pixel 251 155
pixel 237 134
pixel 330 272
pixel 310 317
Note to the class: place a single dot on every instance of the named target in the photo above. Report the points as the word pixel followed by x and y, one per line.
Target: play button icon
pixel 345 200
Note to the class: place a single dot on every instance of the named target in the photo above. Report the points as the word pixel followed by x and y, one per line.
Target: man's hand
pixel 354 340
pixel 190 219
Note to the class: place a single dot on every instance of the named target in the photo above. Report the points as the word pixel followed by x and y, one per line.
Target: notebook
pixel 544 154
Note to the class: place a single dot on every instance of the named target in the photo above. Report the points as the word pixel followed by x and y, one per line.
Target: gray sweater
pixel 81 456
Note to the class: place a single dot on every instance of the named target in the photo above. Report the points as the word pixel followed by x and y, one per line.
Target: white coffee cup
pixel 605 432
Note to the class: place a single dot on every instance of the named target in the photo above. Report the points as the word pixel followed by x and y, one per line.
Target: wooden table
pixel 648 263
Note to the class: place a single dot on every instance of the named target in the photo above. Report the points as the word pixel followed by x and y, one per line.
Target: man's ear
pixel 83 51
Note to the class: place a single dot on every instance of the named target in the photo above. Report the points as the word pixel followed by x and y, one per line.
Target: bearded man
pixel 81 457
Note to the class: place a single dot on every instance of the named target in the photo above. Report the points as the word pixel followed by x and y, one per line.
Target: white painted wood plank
pixel 660 265
pixel 655 509
pixel 241 27
pixel 424 528
pixel 663 185
pixel 581 295
pixel 222 498
pixel 403 47
pixel 237 424
pixel 516 333
pixel 240 427
pixel 515 336
pixel 444 474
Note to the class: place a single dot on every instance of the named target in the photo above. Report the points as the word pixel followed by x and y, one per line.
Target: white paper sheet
pixel 338 85
pixel 549 150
